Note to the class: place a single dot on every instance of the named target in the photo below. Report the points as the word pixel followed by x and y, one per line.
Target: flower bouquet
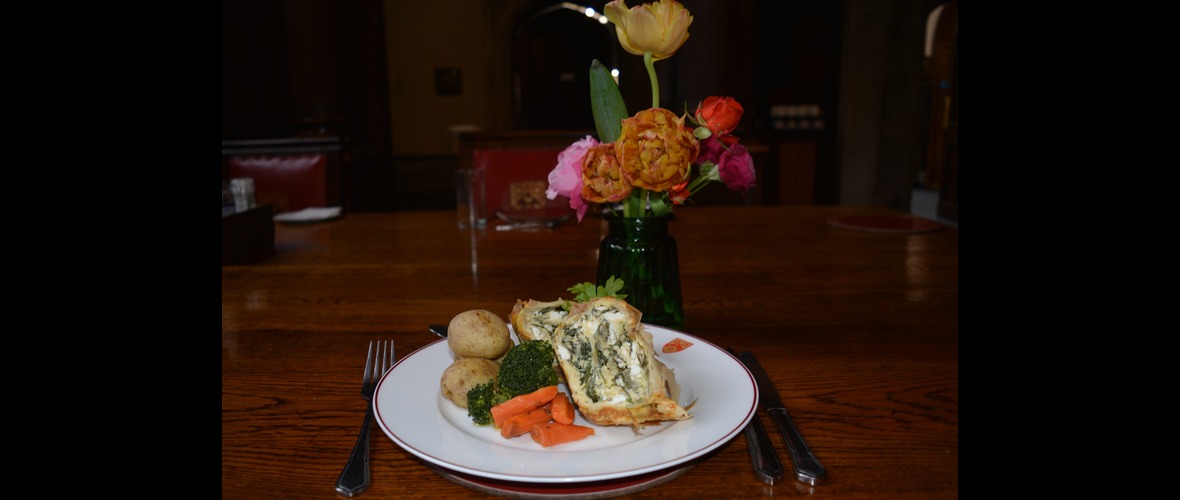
pixel 642 165
pixel 645 161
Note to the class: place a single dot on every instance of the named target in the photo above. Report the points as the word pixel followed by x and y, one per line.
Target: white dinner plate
pixel 411 410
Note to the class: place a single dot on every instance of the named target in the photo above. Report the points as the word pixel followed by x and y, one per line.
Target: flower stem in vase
pixel 641 252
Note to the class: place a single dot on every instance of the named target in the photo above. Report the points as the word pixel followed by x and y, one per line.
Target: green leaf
pixel 613 285
pixel 659 206
pixel 586 291
pixel 583 291
pixel 606 102
pixel 709 170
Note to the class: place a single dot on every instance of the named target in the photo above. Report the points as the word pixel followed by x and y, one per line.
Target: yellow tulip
pixel 658 27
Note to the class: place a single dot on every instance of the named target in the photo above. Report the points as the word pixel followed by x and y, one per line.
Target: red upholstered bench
pixel 292 174
pixel 290 182
pixel 516 167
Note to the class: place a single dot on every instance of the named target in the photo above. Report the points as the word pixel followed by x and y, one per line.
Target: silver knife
pixel 807 467
pixel 767 467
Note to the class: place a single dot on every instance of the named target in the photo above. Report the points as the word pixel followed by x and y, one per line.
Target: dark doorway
pixel 552 48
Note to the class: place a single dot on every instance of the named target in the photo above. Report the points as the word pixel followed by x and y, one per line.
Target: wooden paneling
pixel 297 69
pixel 948 47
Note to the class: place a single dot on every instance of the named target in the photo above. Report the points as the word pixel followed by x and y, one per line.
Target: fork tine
pixel 389 360
pixel 369 358
pixel 380 361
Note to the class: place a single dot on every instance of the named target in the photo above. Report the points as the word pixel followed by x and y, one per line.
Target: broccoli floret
pixel 480 400
pixel 528 366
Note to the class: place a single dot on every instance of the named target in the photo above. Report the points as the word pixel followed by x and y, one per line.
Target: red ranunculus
pixel 719 114
pixel 679 193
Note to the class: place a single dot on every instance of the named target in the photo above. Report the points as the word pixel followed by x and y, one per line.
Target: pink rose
pixel 736 168
pixel 566 177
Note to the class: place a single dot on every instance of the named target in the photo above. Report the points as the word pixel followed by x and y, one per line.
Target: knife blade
pixel 806 465
pixel 767 467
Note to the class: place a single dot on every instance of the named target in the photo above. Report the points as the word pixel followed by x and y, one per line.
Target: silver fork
pixel 355 477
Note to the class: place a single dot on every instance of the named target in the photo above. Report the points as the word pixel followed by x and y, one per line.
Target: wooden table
pixel 859 331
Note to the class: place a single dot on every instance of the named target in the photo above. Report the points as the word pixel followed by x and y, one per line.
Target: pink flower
pixel 566 177
pixel 736 168
pixel 712 148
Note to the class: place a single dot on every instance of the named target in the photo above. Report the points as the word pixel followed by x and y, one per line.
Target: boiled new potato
pixel 465 373
pixel 478 333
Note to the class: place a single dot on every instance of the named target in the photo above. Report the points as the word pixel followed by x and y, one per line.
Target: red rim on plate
pixel 583 490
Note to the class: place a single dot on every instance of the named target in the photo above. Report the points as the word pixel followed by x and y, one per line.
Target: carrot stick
pixel 552 433
pixel 562 409
pixel 522 404
pixel 519 425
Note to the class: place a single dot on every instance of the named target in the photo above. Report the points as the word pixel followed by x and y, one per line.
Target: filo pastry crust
pixel 534 319
pixel 611 367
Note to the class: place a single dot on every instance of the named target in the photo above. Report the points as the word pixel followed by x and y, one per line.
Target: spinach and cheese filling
pixel 537 320
pixel 544 321
pixel 610 365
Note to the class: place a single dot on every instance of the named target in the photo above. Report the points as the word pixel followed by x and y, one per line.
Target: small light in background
pixel 615 74
pixel 588 11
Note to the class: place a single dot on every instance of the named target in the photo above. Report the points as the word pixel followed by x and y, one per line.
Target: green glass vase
pixel 640 251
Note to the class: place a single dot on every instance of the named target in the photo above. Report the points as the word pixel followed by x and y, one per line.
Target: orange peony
pixel 602 179
pixel 656 150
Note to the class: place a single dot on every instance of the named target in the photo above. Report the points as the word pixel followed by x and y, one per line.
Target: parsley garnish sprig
pixel 586 291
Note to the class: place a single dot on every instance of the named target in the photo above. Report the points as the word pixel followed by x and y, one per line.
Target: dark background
pixel 861 61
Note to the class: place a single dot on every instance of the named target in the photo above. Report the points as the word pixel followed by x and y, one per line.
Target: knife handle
pixel 807 467
pixel 767 466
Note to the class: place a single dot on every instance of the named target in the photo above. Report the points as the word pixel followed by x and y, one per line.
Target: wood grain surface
pixel 858 330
